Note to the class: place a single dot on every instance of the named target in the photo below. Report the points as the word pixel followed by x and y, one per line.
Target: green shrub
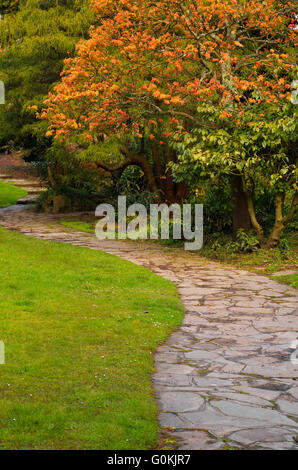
pixel 218 206
pixel 284 248
pixel 245 243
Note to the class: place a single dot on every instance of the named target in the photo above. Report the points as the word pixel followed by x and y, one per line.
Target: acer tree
pixel 149 68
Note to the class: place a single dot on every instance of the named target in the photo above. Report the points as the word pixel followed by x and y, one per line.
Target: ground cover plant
pixel 82 382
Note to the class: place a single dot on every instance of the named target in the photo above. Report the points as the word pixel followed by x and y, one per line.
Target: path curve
pixel 225 379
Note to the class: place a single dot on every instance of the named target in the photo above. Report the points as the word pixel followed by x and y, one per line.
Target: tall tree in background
pixel 150 65
pixel 34 41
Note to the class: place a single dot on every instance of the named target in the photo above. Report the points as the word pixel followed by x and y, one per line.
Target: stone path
pixel 32 186
pixel 225 379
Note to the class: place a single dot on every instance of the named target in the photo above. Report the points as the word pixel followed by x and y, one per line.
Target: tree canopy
pixel 34 42
pixel 147 59
pixel 214 76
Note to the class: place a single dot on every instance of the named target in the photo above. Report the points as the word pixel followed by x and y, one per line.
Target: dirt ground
pixel 12 165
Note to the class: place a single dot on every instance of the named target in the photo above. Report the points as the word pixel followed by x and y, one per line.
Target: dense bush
pixel 81 183
pixel 133 185
pixel 217 199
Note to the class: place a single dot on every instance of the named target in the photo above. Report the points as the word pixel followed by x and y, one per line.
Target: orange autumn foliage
pixel 149 60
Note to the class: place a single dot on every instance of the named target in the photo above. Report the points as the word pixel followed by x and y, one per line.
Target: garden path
pixel 228 377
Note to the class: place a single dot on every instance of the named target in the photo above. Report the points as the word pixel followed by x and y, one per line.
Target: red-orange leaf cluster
pixel 157 60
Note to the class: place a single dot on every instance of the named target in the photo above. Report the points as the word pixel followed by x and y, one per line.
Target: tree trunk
pixel 255 223
pixel 280 221
pixel 274 237
pixel 181 189
pixel 173 192
pixel 241 218
pixel 144 165
pixel 157 177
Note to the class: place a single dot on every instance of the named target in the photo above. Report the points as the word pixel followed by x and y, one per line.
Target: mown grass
pixel 10 194
pixel 80 328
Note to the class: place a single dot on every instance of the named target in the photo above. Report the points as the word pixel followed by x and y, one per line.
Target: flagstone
pixel 243 411
pixel 197 440
pixel 277 370
pixel 172 420
pixel 289 445
pixel 288 407
pixel 179 401
pixel 216 422
pixel 243 397
pixel 262 435
pixel 294 392
pixel 198 354
pixel 176 369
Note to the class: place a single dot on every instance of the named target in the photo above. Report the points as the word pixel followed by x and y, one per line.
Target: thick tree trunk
pixel 173 192
pixel 274 237
pixel 292 210
pixel 149 175
pixel 240 208
pixel 181 189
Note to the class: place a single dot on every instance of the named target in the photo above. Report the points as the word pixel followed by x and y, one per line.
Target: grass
pixel 79 328
pixel 290 279
pixel 10 194
pixel 77 225
pixel 260 260
pixel 266 260
pixel 89 227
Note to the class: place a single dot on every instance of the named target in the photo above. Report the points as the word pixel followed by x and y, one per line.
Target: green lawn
pixel 9 194
pixel 88 227
pixel 79 328
pixel 290 279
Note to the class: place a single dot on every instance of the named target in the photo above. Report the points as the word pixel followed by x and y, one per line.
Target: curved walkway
pixel 225 379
